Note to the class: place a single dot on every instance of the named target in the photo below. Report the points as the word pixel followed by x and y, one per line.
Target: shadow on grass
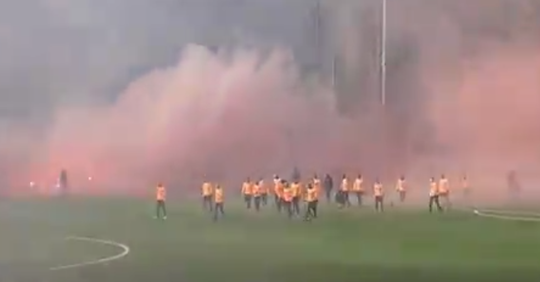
pixel 172 271
pixel 328 273
pixel 356 273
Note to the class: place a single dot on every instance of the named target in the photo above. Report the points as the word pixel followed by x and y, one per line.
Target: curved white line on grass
pixel 125 252
pixel 510 212
pixel 486 213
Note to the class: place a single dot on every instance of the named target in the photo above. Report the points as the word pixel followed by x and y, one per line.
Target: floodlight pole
pixel 318 35
pixel 383 53
pixel 385 122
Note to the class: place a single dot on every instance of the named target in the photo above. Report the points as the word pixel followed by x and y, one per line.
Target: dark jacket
pixel 63 181
pixel 328 182
pixel 512 181
pixel 295 174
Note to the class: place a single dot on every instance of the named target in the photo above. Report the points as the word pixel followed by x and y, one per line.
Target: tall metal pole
pixel 318 41
pixel 334 71
pixel 385 126
pixel 383 53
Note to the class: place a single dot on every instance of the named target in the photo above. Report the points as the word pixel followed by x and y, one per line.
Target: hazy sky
pixel 136 90
pixel 60 51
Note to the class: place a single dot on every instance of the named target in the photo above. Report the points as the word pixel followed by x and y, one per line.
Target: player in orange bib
pixel 401 189
pixel 206 191
pixel 247 191
pixel 161 195
pixel 358 189
pixel 287 199
pixel 256 193
pixel 343 194
pixel 434 195
pixel 296 193
pixel 264 192
pixel 312 199
pixel 444 191
pixel 378 193
pixel 278 192
pixel 219 201
pixel 316 182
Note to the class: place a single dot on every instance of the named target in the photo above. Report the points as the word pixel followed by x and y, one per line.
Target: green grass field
pixel 342 245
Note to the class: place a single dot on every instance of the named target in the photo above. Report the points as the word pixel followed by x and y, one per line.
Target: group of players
pixel 288 196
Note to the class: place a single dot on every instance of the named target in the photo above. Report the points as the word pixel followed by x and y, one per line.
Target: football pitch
pixel 118 240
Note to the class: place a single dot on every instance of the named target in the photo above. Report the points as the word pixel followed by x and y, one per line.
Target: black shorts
pixel 340 198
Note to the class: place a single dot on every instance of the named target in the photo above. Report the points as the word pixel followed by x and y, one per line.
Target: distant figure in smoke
pixel 514 187
pixel 295 177
pixel 63 182
pixel 328 187
pixel 465 186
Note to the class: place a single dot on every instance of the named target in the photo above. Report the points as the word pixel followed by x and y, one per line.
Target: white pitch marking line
pixel 509 212
pixel 501 215
pixel 124 253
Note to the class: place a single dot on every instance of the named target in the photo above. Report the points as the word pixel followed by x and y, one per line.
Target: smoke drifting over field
pixel 463 95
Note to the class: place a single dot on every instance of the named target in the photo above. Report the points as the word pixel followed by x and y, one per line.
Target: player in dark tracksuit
pixel 328 187
pixel 296 176
pixel 63 182
pixel 513 183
